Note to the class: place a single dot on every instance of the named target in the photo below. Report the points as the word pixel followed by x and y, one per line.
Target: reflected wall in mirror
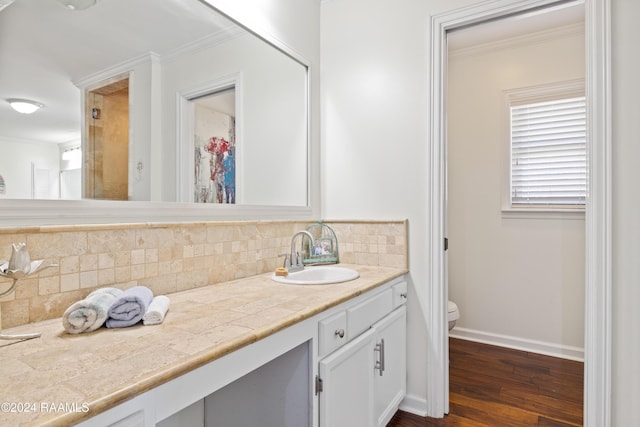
pixel 171 51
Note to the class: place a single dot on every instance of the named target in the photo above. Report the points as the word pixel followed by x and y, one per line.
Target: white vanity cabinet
pixel 346 395
pixel 390 380
pixel 362 383
pixel 354 351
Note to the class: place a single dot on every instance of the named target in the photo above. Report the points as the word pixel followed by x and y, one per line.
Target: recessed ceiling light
pixel 24 106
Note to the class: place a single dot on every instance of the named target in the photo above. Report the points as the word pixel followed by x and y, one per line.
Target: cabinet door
pixel 137 412
pixel 390 380
pixel 347 380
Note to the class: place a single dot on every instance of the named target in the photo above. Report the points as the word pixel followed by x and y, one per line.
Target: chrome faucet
pixel 293 260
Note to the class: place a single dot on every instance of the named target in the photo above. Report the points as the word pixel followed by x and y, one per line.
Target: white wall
pixel 15 166
pixel 626 213
pixel 144 131
pixel 375 74
pixel 374 136
pixel 514 276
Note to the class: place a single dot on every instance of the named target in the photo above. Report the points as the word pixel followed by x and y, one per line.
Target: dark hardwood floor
pixel 499 387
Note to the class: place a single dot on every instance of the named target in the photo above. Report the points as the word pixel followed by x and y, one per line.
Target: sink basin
pixel 318 275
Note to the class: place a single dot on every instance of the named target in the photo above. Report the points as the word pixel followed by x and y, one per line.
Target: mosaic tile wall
pixel 170 257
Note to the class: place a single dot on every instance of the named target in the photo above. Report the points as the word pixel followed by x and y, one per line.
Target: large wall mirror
pixel 148 100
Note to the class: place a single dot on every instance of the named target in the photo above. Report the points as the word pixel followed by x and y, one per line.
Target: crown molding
pixel 521 41
pixel 116 70
pixel 204 42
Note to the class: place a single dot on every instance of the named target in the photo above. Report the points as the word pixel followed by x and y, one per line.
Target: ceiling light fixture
pixel 78 4
pixel 5 3
pixel 24 106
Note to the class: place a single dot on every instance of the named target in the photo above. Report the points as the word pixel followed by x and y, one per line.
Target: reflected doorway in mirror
pixel 105 144
pixel 215 146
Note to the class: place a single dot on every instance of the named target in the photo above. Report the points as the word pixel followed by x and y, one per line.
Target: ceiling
pixel 543 19
pixel 45 47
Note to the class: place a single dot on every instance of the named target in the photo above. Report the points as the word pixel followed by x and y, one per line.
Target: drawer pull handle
pixel 404 295
pixel 379 364
pixel 340 333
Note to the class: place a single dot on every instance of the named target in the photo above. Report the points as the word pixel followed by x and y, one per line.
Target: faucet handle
pixel 287 260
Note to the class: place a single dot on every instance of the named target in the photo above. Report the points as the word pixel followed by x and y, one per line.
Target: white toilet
pixel 453 314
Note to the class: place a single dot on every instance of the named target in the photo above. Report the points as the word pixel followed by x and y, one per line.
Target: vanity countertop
pixel 61 379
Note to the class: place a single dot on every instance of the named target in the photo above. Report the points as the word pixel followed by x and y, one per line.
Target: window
pixel 548 154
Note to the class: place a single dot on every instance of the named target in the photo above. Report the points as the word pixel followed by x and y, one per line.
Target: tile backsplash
pixel 170 257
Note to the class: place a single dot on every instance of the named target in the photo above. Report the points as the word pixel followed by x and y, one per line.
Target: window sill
pixel 543 213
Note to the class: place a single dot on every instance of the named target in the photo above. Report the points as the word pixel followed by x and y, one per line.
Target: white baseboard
pixel 540 347
pixel 414 405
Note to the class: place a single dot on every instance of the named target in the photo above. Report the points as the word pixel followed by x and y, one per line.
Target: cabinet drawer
pixel 332 333
pixel 399 294
pixel 360 317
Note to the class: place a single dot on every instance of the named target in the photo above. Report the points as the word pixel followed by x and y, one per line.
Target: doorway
pixel 516 263
pixel 597 399
pixel 106 147
pixel 215 147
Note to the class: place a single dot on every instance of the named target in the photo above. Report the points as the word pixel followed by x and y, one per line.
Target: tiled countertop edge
pixel 177 369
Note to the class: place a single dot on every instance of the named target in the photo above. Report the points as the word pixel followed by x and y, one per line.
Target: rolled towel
pixel 90 313
pixel 128 308
pixel 157 310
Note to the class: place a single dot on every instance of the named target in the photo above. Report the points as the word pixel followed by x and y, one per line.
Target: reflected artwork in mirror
pixel 69 54
pixel 215 147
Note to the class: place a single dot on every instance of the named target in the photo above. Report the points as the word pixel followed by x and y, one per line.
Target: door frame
pixel 598 217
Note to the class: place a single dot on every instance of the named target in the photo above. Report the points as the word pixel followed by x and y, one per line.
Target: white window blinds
pixel 548 153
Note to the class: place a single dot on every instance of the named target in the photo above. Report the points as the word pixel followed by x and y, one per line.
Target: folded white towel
pixel 90 313
pixel 157 310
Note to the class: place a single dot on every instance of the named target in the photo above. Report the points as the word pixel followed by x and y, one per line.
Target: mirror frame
pixel 28 212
